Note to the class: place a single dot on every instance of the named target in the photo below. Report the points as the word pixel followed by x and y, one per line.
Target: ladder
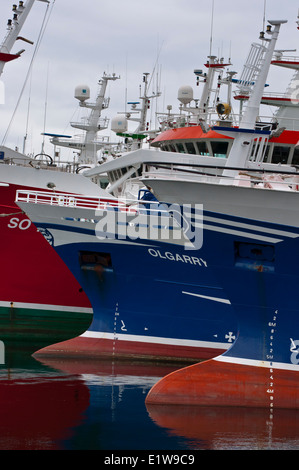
pixel 252 68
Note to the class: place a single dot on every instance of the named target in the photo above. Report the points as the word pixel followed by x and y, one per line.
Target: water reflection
pixel 49 404
pixel 39 406
pixel 221 428
pixel 73 404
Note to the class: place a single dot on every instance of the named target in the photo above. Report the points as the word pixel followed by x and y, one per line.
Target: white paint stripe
pixel 242 234
pixel 255 363
pixel 47 307
pixel 252 227
pixel 63 237
pixel 215 299
pixel 200 220
pixel 155 340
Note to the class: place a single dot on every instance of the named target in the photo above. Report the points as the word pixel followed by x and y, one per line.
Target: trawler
pixel 41 301
pixel 250 230
pixel 114 248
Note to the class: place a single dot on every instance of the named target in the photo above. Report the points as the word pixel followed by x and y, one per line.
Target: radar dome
pixel 185 94
pixel 119 124
pixel 82 92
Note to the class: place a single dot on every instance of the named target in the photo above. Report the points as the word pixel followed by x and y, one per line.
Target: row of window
pixel 207 148
pixel 275 153
pixel 284 154
pixel 117 174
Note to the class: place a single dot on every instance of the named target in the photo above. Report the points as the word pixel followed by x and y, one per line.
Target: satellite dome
pixel 185 94
pixel 82 92
pixel 119 123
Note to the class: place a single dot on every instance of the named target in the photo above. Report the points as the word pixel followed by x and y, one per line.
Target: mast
pixel 145 98
pixel 93 125
pixel 14 27
pixel 90 145
pixel 141 131
pixel 261 64
pixel 214 65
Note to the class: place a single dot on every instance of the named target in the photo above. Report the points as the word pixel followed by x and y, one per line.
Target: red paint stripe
pixel 98 348
pixel 216 66
pixel 8 57
pixel 267 98
pixel 287 62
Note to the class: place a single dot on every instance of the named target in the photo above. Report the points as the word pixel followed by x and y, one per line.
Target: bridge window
pixel 180 148
pixel 295 159
pixel 164 148
pixel 190 148
pixel 219 149
pixel 280 154
pixel 202 148
pixel 172 148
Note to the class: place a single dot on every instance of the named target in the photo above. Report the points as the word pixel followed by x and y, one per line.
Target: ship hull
pixel 254 258
pixel 145 301
pixel 29 327
pixel 41 303
pixel 146 307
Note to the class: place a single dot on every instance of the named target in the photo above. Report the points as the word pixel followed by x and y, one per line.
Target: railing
pixel 75 201
pixel 247 177
pixel 284 58
pixel 212 118
pixel 66 200
pixel 268 95
pixel 85 124
pixel 285 96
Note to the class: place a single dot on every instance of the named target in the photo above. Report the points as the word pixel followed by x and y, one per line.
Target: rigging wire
pixel 28 113
pixel 155 65
pixel 38 43
pixel 45 113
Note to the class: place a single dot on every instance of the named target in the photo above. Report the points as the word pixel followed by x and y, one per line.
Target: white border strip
pixel 155 340
pixel 46 307
pixel 255 363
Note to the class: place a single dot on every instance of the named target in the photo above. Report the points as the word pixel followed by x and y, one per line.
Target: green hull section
pixel 30 329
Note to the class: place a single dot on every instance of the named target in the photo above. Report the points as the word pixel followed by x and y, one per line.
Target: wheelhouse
pixel 194 141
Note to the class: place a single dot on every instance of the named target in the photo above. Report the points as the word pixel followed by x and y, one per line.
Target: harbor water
pixel 72 404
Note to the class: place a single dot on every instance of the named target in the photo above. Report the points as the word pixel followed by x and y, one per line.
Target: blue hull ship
pixel 151 297
pixel 254 260
pixel 251 232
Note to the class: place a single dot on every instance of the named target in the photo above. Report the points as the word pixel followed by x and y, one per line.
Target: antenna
pixel 264 15
pixel 39 39
pixel 211 33
pixel 156 63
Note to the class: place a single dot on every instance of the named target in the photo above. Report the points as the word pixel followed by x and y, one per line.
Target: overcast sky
pixel 83 39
